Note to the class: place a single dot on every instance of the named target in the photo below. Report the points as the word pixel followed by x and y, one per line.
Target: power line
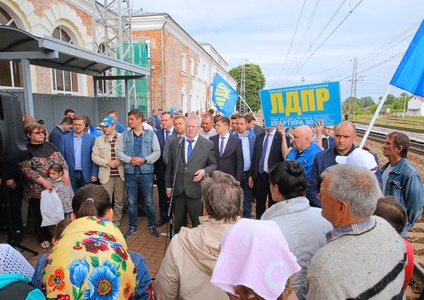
pixel 291 43
pixel 344 19
pixel 213 26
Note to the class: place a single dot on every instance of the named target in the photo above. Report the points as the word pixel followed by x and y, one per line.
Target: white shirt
pixel 170 133
pixel 212 132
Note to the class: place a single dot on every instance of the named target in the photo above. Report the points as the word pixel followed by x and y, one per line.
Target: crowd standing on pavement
pixel 318 199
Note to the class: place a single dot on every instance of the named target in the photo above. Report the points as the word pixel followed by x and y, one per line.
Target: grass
pixel 407 122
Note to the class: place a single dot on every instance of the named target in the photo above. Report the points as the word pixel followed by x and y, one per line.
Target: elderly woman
pixel 303 226
pixel 90 260
pixel 191 256
pixel 41 156
pixel 255 262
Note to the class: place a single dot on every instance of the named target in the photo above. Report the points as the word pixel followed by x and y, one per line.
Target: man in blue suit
pixel 266 154
pixel 76 149
pixel 59 131
pixel 248 142
pixel 228 149
pixel 163 134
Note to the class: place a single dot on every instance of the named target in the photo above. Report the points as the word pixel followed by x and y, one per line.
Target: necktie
pixel 166 134
pixel 189 148
pixel 221 150
pixel 262 159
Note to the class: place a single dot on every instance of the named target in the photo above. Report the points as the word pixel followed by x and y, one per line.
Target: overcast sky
pixel 315 44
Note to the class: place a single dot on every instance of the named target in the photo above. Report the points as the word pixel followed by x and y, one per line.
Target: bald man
pixel 303 149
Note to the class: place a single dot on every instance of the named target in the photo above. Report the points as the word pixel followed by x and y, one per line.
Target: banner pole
pixel 377 111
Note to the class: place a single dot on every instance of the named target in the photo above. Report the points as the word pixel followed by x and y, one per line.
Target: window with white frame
pixel 204 72
pixel 191 66
pixel 183 62
pixel 64 82
pixel 11 71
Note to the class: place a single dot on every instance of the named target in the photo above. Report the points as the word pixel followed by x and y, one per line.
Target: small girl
pixel 64 192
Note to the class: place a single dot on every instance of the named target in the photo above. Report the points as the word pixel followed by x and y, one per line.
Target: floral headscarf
pixel 89 264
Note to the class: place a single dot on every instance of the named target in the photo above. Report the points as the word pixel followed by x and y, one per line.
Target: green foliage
pixel 255 81
pixel 389 100
pixel 365 101
pixel 373 108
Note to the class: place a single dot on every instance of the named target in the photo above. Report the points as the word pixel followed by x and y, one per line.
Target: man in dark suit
pixel 228 149
pixel 192 157
pixel 252 127
pixel 266 154
pixel 160 167
pixel 76 149
pixel 248 142
pixel 59 131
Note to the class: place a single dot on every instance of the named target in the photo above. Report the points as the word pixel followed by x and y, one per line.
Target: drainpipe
pixel 162 62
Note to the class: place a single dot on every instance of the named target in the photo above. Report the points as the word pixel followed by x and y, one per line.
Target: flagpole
pixel 250 110
pixel 377 111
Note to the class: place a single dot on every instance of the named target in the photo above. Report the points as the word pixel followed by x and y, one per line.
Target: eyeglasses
pixel 192 127
pixel 39 132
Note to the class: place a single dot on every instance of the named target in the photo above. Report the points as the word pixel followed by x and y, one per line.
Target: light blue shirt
pixel 77 152
pixel 246 151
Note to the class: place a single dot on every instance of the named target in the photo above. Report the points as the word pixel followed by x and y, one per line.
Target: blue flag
pixel 409 75
pixel 223 96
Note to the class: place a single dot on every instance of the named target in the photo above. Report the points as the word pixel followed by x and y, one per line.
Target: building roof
pixel 421 98
pixel 49 52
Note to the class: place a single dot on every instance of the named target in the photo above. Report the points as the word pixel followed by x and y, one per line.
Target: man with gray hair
pixel 191 159
pixel 191 256
pixel 364 257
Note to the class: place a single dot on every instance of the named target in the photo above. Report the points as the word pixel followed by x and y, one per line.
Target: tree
pixel 365 101
pixel 255 81
pixel 389 100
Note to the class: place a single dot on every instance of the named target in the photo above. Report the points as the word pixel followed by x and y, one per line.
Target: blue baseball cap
pixel 107 121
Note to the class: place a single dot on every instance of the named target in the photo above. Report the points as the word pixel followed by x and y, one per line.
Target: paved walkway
pixel 142 242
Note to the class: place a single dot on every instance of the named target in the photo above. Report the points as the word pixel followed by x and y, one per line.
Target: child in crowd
pixel 64 192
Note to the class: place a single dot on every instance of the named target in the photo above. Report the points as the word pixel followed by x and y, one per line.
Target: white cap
pixel 358 157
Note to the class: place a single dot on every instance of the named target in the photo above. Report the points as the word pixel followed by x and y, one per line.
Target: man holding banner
pixel 303 149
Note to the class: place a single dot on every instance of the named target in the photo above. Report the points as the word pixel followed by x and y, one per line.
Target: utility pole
pixel 352 98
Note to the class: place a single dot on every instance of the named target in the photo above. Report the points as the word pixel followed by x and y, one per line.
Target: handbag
pixel 51 208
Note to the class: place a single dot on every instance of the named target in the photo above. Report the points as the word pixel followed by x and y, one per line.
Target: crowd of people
pixel 329 223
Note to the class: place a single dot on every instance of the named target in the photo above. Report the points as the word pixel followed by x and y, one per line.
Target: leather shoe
pixel 161 222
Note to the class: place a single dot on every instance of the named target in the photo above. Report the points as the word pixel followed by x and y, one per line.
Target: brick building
pixel 182 70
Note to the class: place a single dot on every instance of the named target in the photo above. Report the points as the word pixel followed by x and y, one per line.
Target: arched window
pixel 64 82
pixel 11 71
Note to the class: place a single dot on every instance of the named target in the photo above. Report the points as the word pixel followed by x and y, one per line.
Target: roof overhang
pixel 16 44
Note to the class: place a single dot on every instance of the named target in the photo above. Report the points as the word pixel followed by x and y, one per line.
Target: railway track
pixel 394 127
pixel 414 146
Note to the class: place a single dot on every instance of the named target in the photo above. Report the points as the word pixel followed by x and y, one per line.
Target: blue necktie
pixel 262 160
pixel 189 148
pixel 166 134
pixel 222 146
